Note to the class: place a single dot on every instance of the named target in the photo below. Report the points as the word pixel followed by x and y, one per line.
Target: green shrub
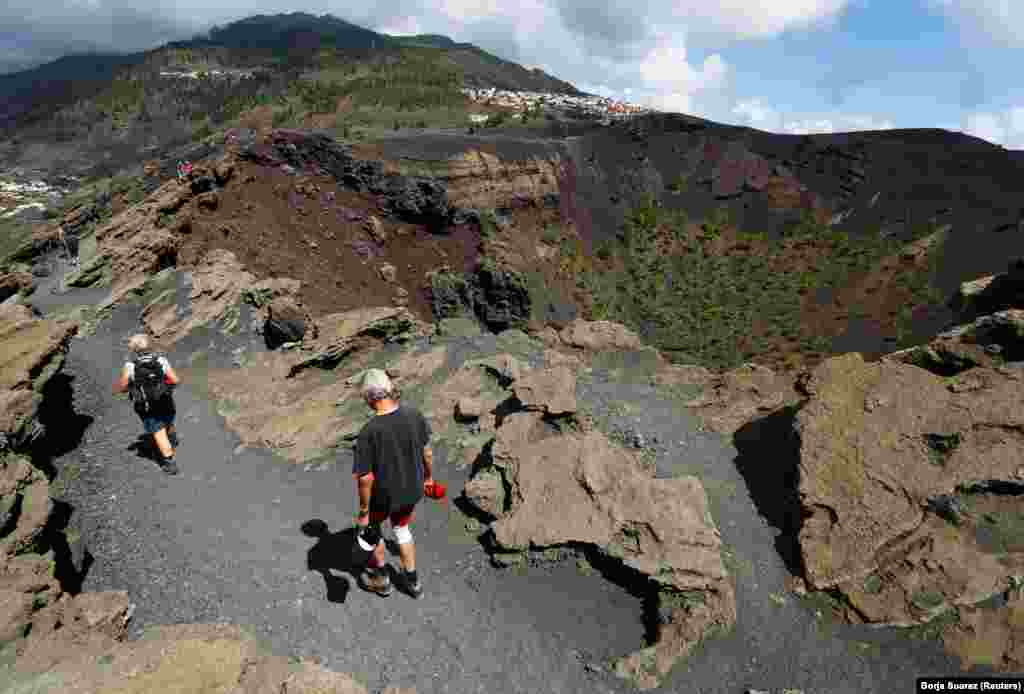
pixel 551 235
pixel 488 224
pixel 679 184
pixel 203 130
pixel 717 222
pixel 285 116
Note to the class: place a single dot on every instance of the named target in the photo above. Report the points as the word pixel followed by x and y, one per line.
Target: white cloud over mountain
pixel 1004 127
pixel 757 114
pixel 668 54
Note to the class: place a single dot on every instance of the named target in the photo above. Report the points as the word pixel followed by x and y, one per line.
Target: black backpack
pixel 148 385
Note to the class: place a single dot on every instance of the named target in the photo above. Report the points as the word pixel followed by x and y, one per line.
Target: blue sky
pixel 780 65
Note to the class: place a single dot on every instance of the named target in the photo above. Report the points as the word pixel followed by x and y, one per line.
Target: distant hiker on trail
pixel 393 468
pixel 148 378
pixel 184 169
pixel 70 243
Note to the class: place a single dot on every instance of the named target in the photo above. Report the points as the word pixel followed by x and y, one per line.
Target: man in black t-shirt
pixel 393 463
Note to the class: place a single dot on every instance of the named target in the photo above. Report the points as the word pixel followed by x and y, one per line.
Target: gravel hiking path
pixel 236 537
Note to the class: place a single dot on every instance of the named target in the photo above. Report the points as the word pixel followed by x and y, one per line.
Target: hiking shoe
pixel 413 587
pixel 379 583
pixel 169 466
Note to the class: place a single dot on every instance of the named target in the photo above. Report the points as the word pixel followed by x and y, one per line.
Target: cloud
pixel 993 19
pixel 402 26
pixel 1005 128
pixel 623 22
pixel 757 114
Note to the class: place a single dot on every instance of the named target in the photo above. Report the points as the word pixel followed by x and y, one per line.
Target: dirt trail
pixel 230 540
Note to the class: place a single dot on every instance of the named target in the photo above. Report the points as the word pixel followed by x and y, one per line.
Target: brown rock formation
pixel 73 628
pixel 279 400
pixel 338 334
pixel 219 284
pixel 12 283
pixel 187 658
pixel 878 441
pixel 24 498
pixel 552 390
pixel 599 336
pixel 731 399
pixel 33 350
pixel 477 179
pixel 661 528
pixel 990 638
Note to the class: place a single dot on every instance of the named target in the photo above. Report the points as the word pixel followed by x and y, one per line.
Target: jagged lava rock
pixel 868 456
pixel 578 488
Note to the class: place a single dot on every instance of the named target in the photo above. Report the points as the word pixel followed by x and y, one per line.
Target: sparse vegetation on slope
pixel 715 296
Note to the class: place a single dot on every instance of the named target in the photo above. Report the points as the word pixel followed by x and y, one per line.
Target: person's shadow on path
pixel 145 447
pixel 334 554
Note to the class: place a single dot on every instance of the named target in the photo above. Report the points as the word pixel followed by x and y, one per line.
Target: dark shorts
pixel 154 423
pixel 159 418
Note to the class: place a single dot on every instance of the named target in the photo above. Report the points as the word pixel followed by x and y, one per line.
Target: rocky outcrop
pixel 272 399
pixel 15 283
pixel 727 401
pixel 287 321
pixel 33 351
pixel 987 342
pixel 473 391
pixel 990 294
pixel 660 528
pixel 414 199
pixel 38 622
pixel 219 285
pixel 73 628
pixel 599 336
pixel 339 335
pixel 25 505
pixel 480 180
pixel 135 244
pixel 605 499
pixel 990 637
pixel 883 447
pixel 911 479
pixel 496 295
pixel 979 340
pixel 551 390
pixel 195 657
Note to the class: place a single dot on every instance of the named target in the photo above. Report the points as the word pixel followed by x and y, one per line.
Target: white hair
pixel 138 343
pixel 377 385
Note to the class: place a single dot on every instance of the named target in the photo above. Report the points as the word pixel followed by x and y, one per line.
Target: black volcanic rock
pixel 414 199
pixel 498 297
pixel 420 200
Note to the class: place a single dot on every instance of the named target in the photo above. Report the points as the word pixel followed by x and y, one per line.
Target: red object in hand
pixel 435 490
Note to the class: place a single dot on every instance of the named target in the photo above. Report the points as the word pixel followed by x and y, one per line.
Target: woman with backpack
pixel 148 377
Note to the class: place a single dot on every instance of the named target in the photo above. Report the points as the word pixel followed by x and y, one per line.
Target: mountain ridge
pixel 289 38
